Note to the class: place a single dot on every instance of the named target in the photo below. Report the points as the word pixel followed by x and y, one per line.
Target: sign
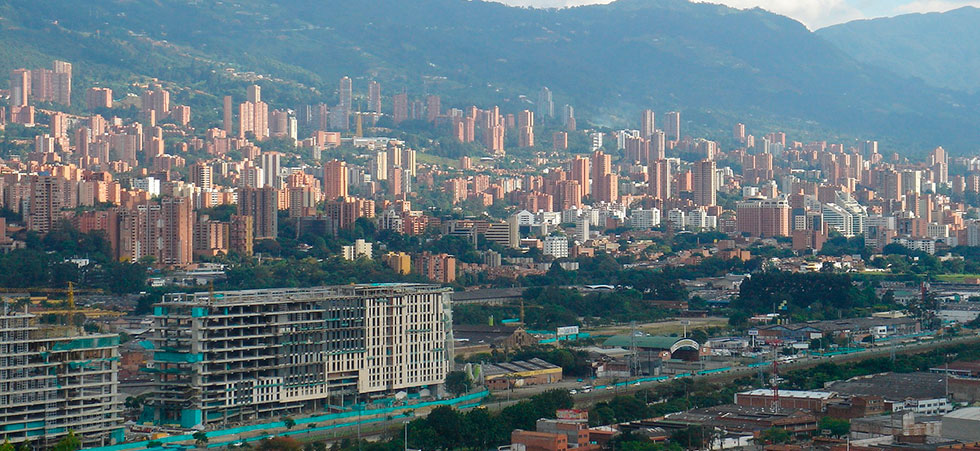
pixel 567 330
pixel 753 332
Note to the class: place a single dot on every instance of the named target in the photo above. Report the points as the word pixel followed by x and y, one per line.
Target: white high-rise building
pixel 556 246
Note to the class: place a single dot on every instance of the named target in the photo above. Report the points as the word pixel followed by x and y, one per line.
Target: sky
pixel 812 13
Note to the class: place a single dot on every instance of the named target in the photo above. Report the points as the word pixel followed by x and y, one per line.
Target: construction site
pixel 55 380
pixel 224 358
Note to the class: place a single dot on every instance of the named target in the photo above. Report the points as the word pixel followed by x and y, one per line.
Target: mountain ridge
pixel 941 48
pixel 718 65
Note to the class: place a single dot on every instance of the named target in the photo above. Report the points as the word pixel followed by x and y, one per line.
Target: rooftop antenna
pixel 775 381
pixel 635 360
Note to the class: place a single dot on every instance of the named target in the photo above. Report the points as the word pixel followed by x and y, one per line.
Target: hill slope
pixel 607 60
pixel 941 48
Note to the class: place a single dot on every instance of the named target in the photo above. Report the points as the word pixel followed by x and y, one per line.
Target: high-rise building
pixel 156 100
pixel 525 127
pixel 568 116
pixel 331 346
pixel 20 87
pixel 226 116
pixel 601 167
pixel 177 234
pixel 202 175
pixel 439 268
pixel 400 108
pixel 241 232
pixel 97 98
pixel 559 140
pixel 660 179
pixel 705 183
pixel 581 173
pixel 673 126
pixel 254 94
pixel 48 198
pixel 374 97
pixel 262 204
pixel 648 124
pixel 764 218
pixel 545 105
pixel 271 163
pixel 345 93
pixel 335 180
pixel 57 380
pixel 433 107
pixel 738 133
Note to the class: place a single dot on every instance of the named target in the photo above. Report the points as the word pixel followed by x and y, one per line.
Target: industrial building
pixel 53 380
pixel 247 355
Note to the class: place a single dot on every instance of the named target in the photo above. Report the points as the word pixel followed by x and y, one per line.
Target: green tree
pixel 837 427
pixel 200 439
pixel 7 446
pixel 457 382
pixel 289 422
pixel 69 443
pixel 774 436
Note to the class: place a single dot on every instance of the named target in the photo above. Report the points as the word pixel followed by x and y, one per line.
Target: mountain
pixel 715 64
pixel 941 48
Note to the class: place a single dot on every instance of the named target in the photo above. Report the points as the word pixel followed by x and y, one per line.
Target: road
pixel 380 426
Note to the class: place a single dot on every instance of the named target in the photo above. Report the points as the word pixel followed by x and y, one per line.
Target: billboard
pixel 567 330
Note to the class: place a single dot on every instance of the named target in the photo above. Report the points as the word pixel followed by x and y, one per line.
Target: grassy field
pixel 435 159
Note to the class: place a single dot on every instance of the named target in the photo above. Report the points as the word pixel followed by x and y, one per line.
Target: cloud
pixel 812 13
pixel 552 3
pixel 925 6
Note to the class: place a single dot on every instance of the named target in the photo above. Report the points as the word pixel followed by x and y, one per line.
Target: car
pixel 573 392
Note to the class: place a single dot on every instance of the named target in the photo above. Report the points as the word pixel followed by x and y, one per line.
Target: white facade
pixel 359 249
pixel 556 246
pixel 645 219
pixel 677 219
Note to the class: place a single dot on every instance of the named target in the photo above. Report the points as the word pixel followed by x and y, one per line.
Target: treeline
pixel 804 295
pixel 448 428
pixel 44 263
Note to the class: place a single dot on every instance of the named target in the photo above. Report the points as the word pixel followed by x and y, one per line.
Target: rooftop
pixel 894 386
pixel 517 367
pixel 968 413
pixel 791 393
pixel 650 342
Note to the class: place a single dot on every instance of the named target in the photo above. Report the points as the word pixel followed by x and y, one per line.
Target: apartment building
pixel 53 380
pixel 249 355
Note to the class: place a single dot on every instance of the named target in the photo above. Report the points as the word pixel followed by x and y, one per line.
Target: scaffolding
pixel 245 356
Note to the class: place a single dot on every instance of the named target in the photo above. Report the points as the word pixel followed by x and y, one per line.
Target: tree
pixel 280 444
pixel 774 436
pixel 837 427
pixel 289 422
pixel 69 443
pixel 7 446
pixel 200 439
pixel 457 382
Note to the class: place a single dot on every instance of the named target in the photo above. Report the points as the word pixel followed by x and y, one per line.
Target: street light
pixel 406 436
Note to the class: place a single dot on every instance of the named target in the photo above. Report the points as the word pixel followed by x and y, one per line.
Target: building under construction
pixel 54 380
pixel 244 356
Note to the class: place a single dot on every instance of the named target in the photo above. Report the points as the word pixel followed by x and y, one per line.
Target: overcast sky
pixel 814 13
